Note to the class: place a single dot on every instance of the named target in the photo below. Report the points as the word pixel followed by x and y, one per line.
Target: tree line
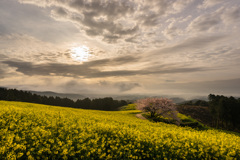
pixel 225 111
pixel 196 103
pixel 107 104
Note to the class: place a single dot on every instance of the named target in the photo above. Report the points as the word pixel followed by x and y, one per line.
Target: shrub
pixel 128 107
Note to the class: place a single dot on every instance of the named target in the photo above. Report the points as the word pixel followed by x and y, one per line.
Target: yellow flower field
pixel 33 131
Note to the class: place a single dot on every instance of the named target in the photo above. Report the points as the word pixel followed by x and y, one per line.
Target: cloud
pixel 59 11
pixel 5 70
pixel 121 86
pixel 206 22
pixel 2 73
pixel 210 3
pixel 32 21
pixel 114 20
pixel 171 31
pixel 97 18
pixel 94 69
pixel 231 15
pixel 180 5
pixel 191 44
pixel 185 19
pixel 170 81
pixel 225 87
pixel 126 86
pixel 80 86
pixel 31 49
pixel 75 86
pixel 110 38
pixel 113 61
pixel 216 21
pixel 132 42
pixel 3 57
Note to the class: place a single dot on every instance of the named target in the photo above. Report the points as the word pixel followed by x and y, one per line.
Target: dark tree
pixel 99 104
pixel 225 111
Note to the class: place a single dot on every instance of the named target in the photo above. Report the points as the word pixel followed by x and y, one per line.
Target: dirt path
pixel 140 116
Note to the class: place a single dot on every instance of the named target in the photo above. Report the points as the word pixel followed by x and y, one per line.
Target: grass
pixel 186 121
pixel 128 107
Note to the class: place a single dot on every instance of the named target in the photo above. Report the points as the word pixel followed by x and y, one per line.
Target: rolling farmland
pixel 33 131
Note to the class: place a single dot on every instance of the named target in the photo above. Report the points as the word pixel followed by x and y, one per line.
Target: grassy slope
pixel 38 131
pixel 201 114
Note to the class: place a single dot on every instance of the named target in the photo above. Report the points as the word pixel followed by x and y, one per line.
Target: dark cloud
pixel 92 32
pixel 132 39
pixel 47 69
pixel 98 17
pixel 157 70
pixel 111 20
pixel 93 69
pixel 72 84
pixel 111 8
pixel 75 86
pixel 4 69
pixel 103 83
pixel 113 62
pixel 60 11
pixel 150 20
pixel 153 10
pixel 123 86
pixel 110 38
pixel 114 20
pixel 3 57
pixel 170 81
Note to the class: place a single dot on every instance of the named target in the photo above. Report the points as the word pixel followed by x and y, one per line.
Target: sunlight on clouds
pixel 80 53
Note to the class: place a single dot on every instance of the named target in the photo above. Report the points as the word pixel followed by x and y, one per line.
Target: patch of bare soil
pixel 140 116
pixel 201 114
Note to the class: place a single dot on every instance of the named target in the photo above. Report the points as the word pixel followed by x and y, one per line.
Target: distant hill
pixel 129 97
pixel 93 96
pixel 136 97
pixel 177 100
pixel 61 95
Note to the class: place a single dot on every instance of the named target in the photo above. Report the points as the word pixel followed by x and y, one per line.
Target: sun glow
pixel 80 53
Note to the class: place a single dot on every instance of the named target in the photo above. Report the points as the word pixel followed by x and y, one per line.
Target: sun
pixel 80 53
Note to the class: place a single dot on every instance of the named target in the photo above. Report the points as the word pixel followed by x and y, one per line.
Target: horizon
pixel 178 98
pixel 127 47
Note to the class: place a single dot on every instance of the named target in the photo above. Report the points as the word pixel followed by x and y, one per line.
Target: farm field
pixel 33 131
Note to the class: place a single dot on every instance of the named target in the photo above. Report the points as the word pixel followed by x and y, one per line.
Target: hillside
pixel 201 114
pixel 33 131
pixel 61 95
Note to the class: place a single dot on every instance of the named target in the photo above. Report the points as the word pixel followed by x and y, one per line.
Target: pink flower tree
pixel 158 107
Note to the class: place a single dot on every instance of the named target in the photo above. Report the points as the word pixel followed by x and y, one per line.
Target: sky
pixel 151 47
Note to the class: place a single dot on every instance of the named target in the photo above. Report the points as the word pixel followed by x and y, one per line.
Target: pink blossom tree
pixel 158 106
